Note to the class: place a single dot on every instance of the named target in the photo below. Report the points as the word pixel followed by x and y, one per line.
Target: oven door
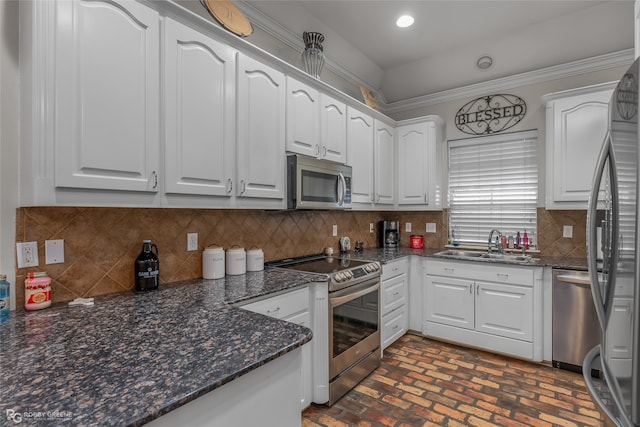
pixel 354 325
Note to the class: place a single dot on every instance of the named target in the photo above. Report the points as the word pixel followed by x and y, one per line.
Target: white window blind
pixel 493 184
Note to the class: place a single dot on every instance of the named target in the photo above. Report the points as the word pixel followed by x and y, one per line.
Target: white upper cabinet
pixel 576 124
pixel 333 129
pixel 316 123
pixel 419 162
pixel 261 130
pixel 360 156
pixel 303 124
pixel 384 164
pixel 106 95
pixel 199 124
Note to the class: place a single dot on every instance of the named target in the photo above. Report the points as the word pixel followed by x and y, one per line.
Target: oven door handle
pixel 339 300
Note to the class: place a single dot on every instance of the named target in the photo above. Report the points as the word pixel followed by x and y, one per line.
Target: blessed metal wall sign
pixel 490 114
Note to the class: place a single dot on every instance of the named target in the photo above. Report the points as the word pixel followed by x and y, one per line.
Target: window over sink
pixel 493 184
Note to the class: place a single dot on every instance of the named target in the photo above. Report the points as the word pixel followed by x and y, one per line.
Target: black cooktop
pixel 318 263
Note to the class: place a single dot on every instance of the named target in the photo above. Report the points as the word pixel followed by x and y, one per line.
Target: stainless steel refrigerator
pixel 616 291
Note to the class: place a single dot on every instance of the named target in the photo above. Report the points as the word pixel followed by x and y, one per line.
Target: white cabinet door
pixel 576 127
pixel 449 301
pixel 333 129
pixel 384 164
pixel 504 310
pixel 360 155
pixel 303 136
pixel 261 130
pixel 199 82
pixel 106 91
pixel 413 168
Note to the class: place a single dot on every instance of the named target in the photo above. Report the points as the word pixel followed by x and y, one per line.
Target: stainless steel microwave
pixel 317 184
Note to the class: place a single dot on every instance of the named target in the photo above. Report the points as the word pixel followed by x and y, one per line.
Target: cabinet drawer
pixel 282 306
pixel 476 270
pixel 303 319
pixel 394 268
pixel 394 325
pixel 394 293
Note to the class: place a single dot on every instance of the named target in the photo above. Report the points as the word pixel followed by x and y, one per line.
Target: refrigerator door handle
pixel 604 409
pixel 603 304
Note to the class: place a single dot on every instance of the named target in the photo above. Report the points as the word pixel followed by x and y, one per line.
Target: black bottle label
pixel 147 275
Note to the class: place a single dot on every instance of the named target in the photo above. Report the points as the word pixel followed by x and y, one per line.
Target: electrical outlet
pixel 54 251
pixel 431 227
pixel 335 230
pixel 371 229
pixel 192 241
pixel 407 227
pixel 27 254
pixel 567 231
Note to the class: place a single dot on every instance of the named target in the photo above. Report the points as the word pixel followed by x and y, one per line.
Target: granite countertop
pixel 135 356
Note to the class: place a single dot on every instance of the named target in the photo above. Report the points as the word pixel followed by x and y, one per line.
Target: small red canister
pixel 416 241
pixel 37 291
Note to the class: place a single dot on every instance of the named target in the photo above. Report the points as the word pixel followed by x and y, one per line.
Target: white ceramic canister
pixel 213 262
pixel 236 260
pixel 255 259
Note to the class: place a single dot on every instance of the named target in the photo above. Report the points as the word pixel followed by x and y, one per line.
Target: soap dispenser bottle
pixel 147 268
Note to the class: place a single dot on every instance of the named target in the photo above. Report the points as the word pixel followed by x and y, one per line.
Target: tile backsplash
pixel 101 244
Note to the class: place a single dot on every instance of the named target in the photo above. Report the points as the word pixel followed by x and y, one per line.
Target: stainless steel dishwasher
pixel 575 324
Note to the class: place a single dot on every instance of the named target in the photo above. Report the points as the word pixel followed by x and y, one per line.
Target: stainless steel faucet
pixel 498 243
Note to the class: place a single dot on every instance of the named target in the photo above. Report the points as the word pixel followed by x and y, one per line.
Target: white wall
pixel 9 138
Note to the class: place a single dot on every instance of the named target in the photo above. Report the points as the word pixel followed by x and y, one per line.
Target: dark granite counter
pixel 135 356
pixel 383 256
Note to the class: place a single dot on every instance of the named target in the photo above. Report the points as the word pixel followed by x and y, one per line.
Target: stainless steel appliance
pixel 575 324
pixel 616 292
pixel 317 184
pixel 353 328
pixel 388 234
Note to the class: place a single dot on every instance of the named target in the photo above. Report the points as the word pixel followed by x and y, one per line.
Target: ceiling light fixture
pixel 484 62
pixel 405 21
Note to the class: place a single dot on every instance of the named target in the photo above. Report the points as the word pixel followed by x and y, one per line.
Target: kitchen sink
pixel 461 254
pixel 486 256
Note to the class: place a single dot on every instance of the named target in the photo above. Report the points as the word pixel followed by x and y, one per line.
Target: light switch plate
pixel 192 241
pixel 371 230
pixel 567 231
pixel 335 229
pixel 431 227
pixel 407 227
pixel 54 251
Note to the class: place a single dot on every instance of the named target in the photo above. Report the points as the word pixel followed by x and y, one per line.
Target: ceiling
pixel 439 52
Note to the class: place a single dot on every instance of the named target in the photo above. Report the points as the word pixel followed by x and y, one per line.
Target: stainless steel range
pixel 353 319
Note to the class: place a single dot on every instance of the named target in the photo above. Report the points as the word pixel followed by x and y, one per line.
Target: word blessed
pixel 490 114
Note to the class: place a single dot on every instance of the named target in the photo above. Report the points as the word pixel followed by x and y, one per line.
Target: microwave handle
pixel 343 187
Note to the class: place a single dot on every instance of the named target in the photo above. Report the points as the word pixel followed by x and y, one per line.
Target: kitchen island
pixel 133 357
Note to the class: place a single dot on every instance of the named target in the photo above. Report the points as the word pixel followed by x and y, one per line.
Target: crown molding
pixel 294 41
pixel 575 68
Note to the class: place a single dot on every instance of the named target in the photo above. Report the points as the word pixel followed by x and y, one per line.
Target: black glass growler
pixel 147 267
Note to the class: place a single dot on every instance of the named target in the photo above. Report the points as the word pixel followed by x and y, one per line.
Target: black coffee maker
pixel 388 234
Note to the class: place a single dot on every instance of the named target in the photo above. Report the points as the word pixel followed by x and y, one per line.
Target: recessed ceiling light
pixel 484 62
pixel 405 21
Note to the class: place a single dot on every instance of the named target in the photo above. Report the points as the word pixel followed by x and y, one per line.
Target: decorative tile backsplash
pixel 101 244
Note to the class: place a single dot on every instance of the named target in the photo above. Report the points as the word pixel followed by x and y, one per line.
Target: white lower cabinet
pixel 293 307
pixel 394 294
pixel 492 306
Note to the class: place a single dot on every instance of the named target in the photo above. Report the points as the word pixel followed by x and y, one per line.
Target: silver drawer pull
pixel 449 270
pixel 273 311
pixel 395 327
pixel 395 294
pixel 502 276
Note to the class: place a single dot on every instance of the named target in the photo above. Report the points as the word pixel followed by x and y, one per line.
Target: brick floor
pixel 423 382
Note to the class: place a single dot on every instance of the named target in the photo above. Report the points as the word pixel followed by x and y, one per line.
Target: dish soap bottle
pixel 147 267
